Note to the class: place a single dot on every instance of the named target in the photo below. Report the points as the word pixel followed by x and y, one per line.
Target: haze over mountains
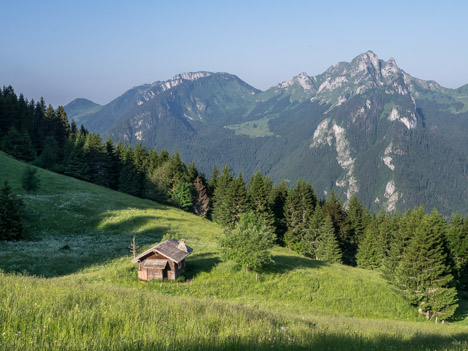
pixel 364 127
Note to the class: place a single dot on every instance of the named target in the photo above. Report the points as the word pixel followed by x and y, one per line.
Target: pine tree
pixel 280 196
pixel 30 181
pixel 213 183
pixel 457 240
pixel 312 236
pixel 183 195
pixel 49 156
pixel 355 213
pixel 114 164
pixel 328 248
pixel 201 204
pixel 298 209
pixel 334 209
pixel 370 253
pixel 422 274
pixel 237 199
pixel 221 201
pixel 398 239
pixel 128 175
pixel 18 145
pixel 11 213
pixel 259 195
pixel 249 243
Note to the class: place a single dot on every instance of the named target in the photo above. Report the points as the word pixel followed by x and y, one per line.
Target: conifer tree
pixel 49 156
pixel 298 209
pixel 221 201
pixel 73 130
pixel 249 242
pixel 328 248
pixel 312 236
pixel 398 239
pixel 213 183
pixel 355 213
pixel 128 175
pixel 334 209
pixel 422 275
pixel 259 195
pixel 370 253
pixel 30 181
pixel 11 213
pixel 18 145
pixel 457 240
pixel 280 196
pixel 237 199
pixel 114 164
pixel 76 165
pixel 201 204
pixel 183 195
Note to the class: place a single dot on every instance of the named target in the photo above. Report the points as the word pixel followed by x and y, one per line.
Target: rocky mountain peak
pixel 191 75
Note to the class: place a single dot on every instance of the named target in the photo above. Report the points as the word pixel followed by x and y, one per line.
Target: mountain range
pixel 364 127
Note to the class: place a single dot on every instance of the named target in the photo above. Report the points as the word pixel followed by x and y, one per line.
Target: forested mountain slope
pixel 364 127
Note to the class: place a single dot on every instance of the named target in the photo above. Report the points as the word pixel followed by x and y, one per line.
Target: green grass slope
pixel 87 295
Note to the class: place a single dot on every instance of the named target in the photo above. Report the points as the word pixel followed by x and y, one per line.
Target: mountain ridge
pixel 364 126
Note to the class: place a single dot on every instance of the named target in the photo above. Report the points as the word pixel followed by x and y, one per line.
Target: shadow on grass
pixel 313 341
pixel 284 263
pixel 462 311
pixel 52 257
pixel 204 262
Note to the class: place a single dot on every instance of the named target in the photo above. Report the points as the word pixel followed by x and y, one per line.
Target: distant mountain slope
pixel 364 127
pixel 79 108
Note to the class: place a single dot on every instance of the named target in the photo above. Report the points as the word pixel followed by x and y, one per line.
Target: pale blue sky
pixel 99 49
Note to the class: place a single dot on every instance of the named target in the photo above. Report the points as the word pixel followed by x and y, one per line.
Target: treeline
pixel 37 133
pixel 424 256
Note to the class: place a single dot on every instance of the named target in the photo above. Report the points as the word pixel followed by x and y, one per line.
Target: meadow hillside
pixel 70 285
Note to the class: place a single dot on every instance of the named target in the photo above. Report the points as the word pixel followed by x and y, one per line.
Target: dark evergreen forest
pixel 423 255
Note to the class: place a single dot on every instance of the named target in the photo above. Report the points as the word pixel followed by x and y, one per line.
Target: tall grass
pixel 42 314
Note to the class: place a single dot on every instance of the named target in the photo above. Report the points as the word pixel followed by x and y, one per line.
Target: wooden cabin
pixel 165 260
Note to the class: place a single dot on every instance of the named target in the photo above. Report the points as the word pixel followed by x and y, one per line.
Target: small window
pixel 180 265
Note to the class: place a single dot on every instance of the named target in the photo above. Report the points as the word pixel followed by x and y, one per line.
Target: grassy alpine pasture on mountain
pixel 86 294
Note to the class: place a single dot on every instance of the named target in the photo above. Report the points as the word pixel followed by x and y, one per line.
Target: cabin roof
pixel 170 248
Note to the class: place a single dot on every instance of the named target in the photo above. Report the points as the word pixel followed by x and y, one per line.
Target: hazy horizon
pixel 97 51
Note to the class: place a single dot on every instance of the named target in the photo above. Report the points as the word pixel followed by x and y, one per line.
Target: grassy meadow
pixel 70 285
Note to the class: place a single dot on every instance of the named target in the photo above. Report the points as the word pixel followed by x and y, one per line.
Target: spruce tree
pixel 221 201
pixel 370 253
pixel 30 181
pixel 11 213
pixel 457 240
pixel 328 248
pixel 237 199
pixel 213 183
pixel 259 195
pixel 128 176
pixel 249 242
pixel 312 236
pixel 280 196
pixel 183 195
pixel 18 145
pixel 422 275
pixel 398 240
pixel 355 213
pixel 298 209
pixel 334 209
